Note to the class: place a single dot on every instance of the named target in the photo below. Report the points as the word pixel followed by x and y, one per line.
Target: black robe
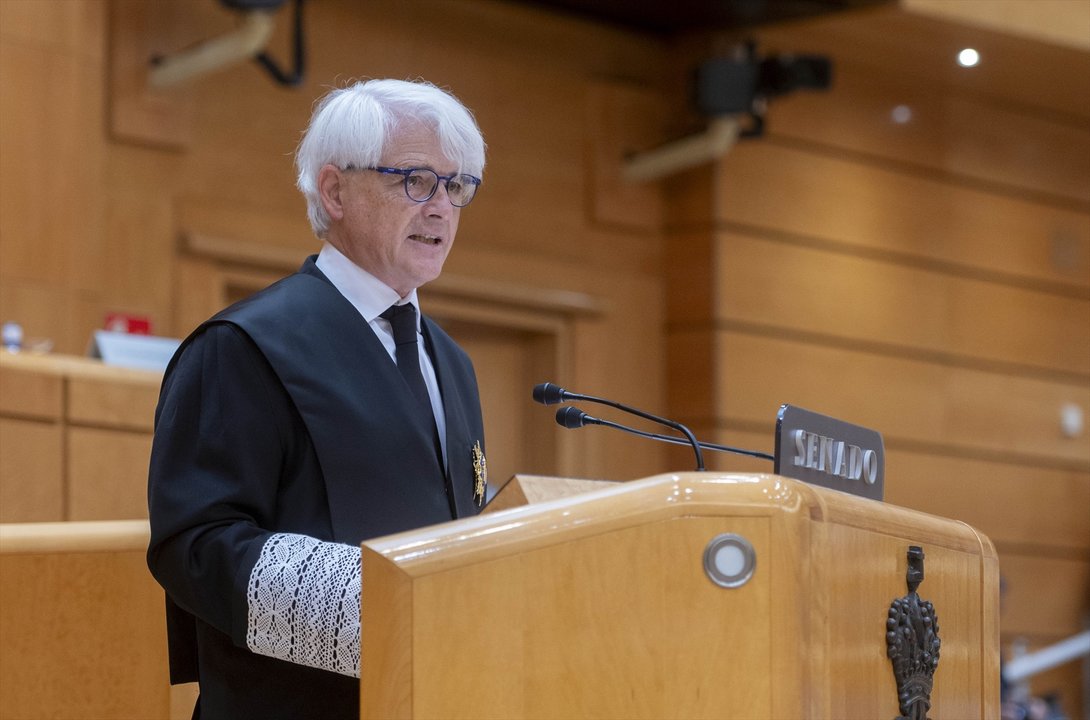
pixel 285 414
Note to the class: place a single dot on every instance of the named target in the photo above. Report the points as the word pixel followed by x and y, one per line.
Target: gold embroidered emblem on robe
pixel 480 474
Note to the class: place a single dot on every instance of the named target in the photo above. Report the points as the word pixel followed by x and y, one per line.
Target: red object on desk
pixel 131 324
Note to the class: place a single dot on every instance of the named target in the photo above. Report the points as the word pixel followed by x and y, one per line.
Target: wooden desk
pixel 75 437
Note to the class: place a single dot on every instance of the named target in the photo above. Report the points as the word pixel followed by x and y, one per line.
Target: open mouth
pixel 427 239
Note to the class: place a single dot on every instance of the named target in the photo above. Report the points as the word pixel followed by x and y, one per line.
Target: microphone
pixel 549 394
pixel 573 418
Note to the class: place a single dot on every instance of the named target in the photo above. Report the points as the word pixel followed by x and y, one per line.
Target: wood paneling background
pixel 102 182
pixel 930 279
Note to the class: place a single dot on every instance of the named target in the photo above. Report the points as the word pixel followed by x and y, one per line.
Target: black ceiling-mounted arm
pixel 298 54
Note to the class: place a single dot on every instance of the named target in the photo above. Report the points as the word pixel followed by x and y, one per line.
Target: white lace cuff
pixel 304 603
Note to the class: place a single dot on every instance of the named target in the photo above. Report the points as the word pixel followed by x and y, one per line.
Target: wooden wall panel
pixel 962 138
pixel 692 272
pixel 75 27
pixel 621 121
pixel 133 269
pixel 759 437
pixel 31 471
pixel 829 201
pixel 123 399
pixel 1058 22
pixel 139 31
pixel 500 356
pixel 1028 509
pixel 51 127
pixel 36 43
pixel 26 391
pixel 863 302
pixel 614 352
pixel 1044 597
pixel 1036 78
pixel 31 440
pixel 977 413
pixel 107 474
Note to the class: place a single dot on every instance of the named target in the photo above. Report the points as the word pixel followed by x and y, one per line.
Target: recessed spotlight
pixel 968 58
pixel 901 114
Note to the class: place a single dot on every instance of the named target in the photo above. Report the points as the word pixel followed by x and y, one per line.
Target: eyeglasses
pixel 421 184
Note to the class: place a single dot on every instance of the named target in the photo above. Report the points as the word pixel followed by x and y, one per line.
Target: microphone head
pixel 570 417
pixel 548 394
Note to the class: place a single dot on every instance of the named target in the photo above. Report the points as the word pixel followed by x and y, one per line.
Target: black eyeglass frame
pixel 406 173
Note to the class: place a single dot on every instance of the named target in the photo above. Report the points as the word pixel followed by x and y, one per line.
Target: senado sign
pixel 832 453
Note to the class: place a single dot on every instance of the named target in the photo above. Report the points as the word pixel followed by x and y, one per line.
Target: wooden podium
pixel 609 604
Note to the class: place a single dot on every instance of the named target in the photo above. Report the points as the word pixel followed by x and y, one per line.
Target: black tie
pixel 403 321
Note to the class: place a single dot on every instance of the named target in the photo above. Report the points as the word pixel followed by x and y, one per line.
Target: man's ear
pixel 329 191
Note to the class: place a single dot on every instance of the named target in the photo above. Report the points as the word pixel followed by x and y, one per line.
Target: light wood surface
pixel 910 310
pixel 126 401
pixel 82 629
pixel 76 438
pixel 529 489
pixel 625 120
pixel 603 608
pixel 74 537
pixel 84 368
pixel 107 473
pixel 29 387
pixel 1038 154
pixel 137 111
pixel 981 413
pixel 1053 21
pixel 897 215
pixel 31 471
pixel 1039 78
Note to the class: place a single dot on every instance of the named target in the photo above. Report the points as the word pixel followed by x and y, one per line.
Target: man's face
pixel 401 242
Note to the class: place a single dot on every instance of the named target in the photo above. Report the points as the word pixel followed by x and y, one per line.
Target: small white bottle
pixel 11 336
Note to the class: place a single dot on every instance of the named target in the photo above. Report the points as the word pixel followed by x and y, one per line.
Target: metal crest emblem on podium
pixel 912 643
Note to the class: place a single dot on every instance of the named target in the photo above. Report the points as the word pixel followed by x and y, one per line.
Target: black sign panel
pixel 832 453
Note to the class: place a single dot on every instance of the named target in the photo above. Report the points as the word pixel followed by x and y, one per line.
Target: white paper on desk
pixel 143 352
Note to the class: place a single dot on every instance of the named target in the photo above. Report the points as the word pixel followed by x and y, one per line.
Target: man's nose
pixel 439 203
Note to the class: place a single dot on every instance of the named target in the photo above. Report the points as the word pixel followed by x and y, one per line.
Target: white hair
pixel 351 125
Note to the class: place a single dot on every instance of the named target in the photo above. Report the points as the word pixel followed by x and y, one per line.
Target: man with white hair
pixel 320 412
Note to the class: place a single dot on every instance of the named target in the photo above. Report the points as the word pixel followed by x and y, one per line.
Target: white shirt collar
pixel 369 295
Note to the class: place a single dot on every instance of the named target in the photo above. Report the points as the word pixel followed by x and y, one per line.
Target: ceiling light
pixel 968 57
